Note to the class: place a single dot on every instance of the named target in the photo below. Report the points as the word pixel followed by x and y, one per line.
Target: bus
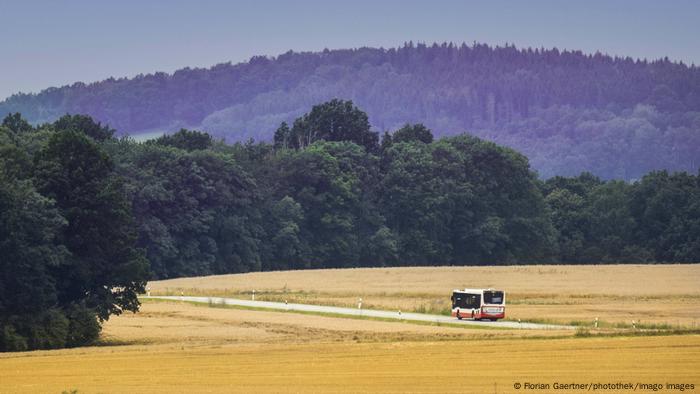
pixel 479 304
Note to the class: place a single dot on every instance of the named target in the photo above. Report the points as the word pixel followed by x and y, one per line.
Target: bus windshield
pixel 466 300
pixel 493 297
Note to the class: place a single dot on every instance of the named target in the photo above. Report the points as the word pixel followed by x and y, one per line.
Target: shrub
pixel 10 340
pixel 49 330
pixel 83 328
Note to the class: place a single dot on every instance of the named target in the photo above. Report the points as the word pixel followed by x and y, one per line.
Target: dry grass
pixel 162 323
pixel 398 367
pixel 173 347
pixel 677 279
pixel 180 348
pixel 653 294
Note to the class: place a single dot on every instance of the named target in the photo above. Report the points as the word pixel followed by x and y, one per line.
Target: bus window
pixel 493 297
pixel 466 300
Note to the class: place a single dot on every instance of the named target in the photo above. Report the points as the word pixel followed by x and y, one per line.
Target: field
pixel 667 295
pixel 176 347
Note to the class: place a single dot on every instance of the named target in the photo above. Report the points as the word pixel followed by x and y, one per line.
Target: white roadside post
pixel 253 297
pixel 596 322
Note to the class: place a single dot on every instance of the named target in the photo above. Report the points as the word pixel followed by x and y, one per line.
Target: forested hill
pixel 567 111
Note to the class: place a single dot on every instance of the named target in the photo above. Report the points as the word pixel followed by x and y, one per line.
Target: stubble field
pixel 175 347
pixel 666 295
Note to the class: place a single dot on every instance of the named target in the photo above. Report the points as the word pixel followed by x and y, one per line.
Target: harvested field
pixel 177 347
pixel 182 348
pixel 616 294
pixel 174 322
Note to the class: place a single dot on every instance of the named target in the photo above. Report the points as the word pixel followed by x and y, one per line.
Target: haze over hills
pixel 567 111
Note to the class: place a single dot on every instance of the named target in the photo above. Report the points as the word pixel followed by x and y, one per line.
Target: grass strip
pixel 581 332
pixel 328 314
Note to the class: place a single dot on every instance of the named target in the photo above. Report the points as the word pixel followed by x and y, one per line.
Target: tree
pixel 105 270
pixel 283 137
pixel 416 132
pixel 84 124
pixel 666 209
pixel 335 120
pixel 330 181
pixel 196 211
pixel 188 140
pixel 569 217
pixel 382 248
pixel 32 315
pixel 16 123
pixel 510 221
pixel 612 225
pixel 415 200
pixel 30 250
pixel 288 247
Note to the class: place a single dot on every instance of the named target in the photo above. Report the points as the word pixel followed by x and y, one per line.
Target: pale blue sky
pixel 53 43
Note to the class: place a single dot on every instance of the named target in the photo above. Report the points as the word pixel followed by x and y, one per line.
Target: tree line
pixel 568 111
pixel 86 217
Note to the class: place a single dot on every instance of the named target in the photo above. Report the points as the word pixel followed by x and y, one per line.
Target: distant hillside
pixel 567 111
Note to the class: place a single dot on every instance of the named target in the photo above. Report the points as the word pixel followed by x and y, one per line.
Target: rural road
pixel 360 312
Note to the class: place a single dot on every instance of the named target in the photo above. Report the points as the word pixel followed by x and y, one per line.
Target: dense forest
pixel 84 214
pixel 618 118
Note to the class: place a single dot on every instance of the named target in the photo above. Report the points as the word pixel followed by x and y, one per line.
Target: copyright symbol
pixel 516 386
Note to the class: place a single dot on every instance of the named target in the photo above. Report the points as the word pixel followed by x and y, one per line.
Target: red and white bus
pixel 479 304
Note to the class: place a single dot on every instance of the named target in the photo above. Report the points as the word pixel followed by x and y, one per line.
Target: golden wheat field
pixel 650 294
pixel 172 347
pixel 176 347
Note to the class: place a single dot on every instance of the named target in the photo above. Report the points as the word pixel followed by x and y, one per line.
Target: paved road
pixel 361 312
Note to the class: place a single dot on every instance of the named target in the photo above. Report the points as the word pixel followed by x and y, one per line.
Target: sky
pixel 58 42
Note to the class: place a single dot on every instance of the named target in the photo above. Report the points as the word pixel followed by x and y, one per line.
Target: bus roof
pixel 477 291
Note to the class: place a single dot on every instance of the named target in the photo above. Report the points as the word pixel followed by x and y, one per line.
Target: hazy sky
pixel 57 42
